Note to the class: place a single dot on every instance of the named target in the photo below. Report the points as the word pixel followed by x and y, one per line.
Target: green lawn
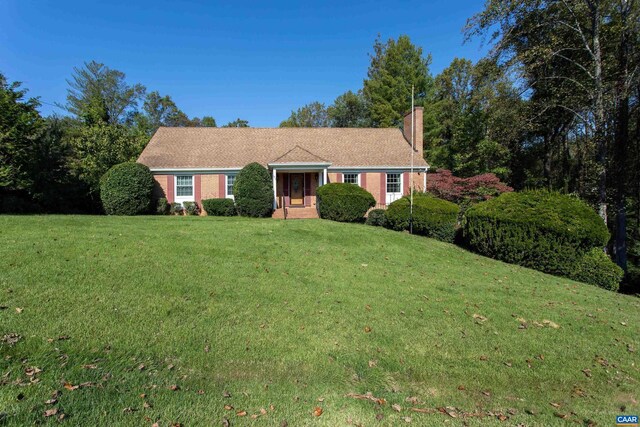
pixel 159 317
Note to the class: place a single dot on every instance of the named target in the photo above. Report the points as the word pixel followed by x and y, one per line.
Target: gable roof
pixel 193 148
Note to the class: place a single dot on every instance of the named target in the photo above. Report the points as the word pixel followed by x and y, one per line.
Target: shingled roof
pixel 193 148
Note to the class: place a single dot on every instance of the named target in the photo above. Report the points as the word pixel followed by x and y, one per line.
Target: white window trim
pixel 392 197
pixel 357 174
pixel 226 186
pixel 182 199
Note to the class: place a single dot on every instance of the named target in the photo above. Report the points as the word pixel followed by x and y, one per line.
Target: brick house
pixel 191 164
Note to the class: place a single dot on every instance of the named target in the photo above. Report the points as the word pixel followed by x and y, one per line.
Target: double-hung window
pixel 394 187
pixel 231 179
pixel 351 178
pixel 184 188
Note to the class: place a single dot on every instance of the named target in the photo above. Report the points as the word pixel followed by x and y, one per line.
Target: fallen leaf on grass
pixel 479 318
pixel 51 401
pixel 551 324
pixel 50 412
pixel 174 387
pixel 228 407
pixel 91 366
pixel 367 329
pixel 487 393
pixel 407 419
pixel 587 372
pixel 129 410
pixel 412 399
pixel 70 387
pixel 19 310
pixel 396 407
pixel 318 411
pixel 368 396
pixel 32 371
pixel 11 338
pixel 241 413
pixel 555 405
pixel 373 363
pixel 449 410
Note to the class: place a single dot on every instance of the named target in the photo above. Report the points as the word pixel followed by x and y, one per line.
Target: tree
pixel 162 111
pixel 237 123
pixel 313 115
pixel 95 149
pixel 208 122
pixel 349 110
pixel 98 94
pixel 474 113
pixel 395 67
pixel 20 128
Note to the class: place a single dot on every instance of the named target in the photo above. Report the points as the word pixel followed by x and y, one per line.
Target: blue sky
pixel 254 60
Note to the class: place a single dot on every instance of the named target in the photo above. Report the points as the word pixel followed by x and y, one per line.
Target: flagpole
pixel 413 130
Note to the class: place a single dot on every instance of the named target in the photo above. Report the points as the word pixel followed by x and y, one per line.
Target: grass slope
pixel 287 316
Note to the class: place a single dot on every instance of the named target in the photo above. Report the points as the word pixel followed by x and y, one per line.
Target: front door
pixel 296 190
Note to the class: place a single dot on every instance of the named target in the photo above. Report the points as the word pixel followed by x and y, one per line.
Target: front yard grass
pixel 196 320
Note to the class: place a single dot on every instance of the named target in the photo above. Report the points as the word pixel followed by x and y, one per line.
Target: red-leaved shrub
pixel 444 185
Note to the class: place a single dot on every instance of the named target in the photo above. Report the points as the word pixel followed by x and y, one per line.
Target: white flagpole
pixel 413 130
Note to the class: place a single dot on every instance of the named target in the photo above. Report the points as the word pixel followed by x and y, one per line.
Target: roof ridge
pixel 297 146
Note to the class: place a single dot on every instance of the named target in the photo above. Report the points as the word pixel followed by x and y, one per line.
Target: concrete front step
pixel 296 213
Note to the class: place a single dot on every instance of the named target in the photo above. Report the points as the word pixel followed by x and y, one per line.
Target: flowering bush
pixel 444 185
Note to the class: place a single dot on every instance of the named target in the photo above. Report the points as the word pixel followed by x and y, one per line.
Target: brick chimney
pixel 418 136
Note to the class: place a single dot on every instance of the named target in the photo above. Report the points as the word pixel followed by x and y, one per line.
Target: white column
pixel 324 176
pixel 275 190
pixel 424 181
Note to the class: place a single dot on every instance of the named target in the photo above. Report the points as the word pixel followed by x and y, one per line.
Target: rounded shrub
pixel 219 207
pixel 253 191
pixel 432 217
pixel 344 202
pixel 376 218
pixel 542 230
pixel 127 189
pixel 596 268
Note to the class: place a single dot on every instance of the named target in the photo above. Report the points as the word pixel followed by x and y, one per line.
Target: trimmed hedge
pixel 596 268
pixel 219 207
pixel 376 218
pixel 542 230
pixel 253 191
pixel 344 202
pixel 127 189
pixel 432 217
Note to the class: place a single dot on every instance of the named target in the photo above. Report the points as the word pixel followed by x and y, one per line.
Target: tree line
pixel 54 164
